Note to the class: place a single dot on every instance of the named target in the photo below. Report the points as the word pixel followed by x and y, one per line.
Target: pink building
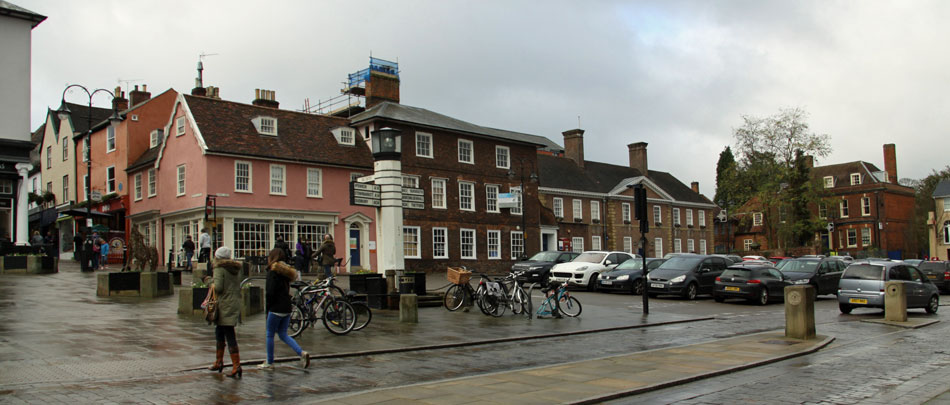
pixel 272 172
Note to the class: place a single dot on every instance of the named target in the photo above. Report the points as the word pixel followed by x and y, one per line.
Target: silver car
pixel 862 285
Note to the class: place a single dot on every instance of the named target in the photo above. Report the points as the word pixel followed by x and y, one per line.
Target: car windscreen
pixel 590 257
pixel 632 264
pixel 680 263
pixel 545 257
pixel 798 266
pixel 864 272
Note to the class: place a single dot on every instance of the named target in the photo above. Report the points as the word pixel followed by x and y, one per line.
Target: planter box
pixel 359 282
pixel 176 276
pixel 29 264
pixel 134 284
pixel 190 299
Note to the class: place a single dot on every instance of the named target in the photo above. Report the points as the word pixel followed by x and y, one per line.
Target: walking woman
pixel 277 297
pixel 326 252
pixel 227 286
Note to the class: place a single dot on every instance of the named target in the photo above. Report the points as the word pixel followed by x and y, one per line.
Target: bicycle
pixel 557 298
pixel 363 313
pixel 461 292
pixel 338 316
pixel 510 295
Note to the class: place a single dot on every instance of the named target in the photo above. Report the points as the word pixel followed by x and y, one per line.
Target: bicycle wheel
pixel 339 317
pixel 298 322
pixel 363 314
pixel 569 306
pixel 519 301
pixel 480 294
pixel 336 292
pixel 454 297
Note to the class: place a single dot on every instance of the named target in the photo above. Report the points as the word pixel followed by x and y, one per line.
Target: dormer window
pixel 265 125
pixel 154 138
pixel 829 182
pixel 344 135
pixel 855 179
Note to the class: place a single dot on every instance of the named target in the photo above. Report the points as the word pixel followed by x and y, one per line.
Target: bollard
pixel 409 308
pixel 895 302
pixel 800 312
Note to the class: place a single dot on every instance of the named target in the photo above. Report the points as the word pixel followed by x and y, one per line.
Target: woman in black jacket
pixel 277 297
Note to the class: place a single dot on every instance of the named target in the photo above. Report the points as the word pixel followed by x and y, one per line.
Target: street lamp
pixel 533 177
pixel 63 114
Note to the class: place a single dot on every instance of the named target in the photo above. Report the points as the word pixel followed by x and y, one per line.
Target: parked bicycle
pixel 363 313
pixel 316 302
pixel 461 292
pixel 509 294
pixel 557 300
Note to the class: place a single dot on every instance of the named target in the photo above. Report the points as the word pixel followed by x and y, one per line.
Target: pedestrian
pixel 37 239
pixel 104 252
pixel 283 246
pixel 277 299
pixel 227 286
pixel 189 248
pixel 204 243
pixel 326 252
pixel 77 246
pixel 95 251
pixel 301 257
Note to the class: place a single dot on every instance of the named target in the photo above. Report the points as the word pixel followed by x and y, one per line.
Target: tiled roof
pixel 596 177
pixel 415 115
pixel 842 172
pixel 226 127
pixel 942 189
pixel 146 159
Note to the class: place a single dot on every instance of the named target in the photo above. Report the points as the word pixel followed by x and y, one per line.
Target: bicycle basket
pixel 458 276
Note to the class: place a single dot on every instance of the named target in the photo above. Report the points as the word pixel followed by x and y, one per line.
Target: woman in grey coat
pixel 227 285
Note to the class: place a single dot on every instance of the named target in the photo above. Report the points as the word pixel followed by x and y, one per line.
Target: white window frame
pixel 657 247
pixel 267 126
pixel 466 200
pixel 518 197
pixel 347 136
pixel 676 216
pixel 946 204
pixel 180 170
pixel 855 179
pixel 250 176
pixel 110 183
pixel 152 182
pixel 502 157
pixel 595 243
pixel 110 139
pixel 467 239
pixel 577 244
pixel 689 217
pixel 747 244
pixel 594 210
pixel 314 182
pixel 865 206
pixel 438 198
pixel 625 212
pixel 411 242
pixel 852 235
pixel 180 126
pixel 577 208
pixel 65 187
pixel 843 209
pixel 657 215
pixel 677 245
pixel 471 151
pixel 829 182
pixel 690 245
pixel 137 186
pixel 491 198
pixel 153 140
pixel 558 207
pixel 410 181
pixel 282 180
pixel 65 150
pixel 49 157
pixel 517 244
pixel 493 242
pixel 702 246
pixel 440 243
pixel 865 236
pixel 757 219
pixel 628 244
pixel 701 214
pixel 85 187
pixel 424 140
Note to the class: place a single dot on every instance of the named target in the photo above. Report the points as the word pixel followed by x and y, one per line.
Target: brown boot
pixel 218 358
pixel 236 371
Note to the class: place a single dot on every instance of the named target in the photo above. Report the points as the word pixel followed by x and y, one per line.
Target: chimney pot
pixel 574 146
pixel 638 157
pixel 265 98
pixel 695 186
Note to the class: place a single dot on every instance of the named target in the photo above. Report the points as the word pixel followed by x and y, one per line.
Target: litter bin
pixel 376 292
pixel 407 284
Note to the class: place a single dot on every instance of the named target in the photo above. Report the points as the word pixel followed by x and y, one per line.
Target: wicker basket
pixel 458 276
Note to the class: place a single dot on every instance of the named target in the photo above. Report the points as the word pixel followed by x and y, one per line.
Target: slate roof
pixel 37 136
pixel 942 189
pixel 226 127
pixel 13 10
pixel 596 177
pixel 146 159
pixel 415 115
pixel 842 172
pixel 79 116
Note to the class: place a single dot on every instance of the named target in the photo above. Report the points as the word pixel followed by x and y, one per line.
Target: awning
pixel 81 212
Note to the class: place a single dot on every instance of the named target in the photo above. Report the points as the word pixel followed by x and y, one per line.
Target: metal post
pixel 643 276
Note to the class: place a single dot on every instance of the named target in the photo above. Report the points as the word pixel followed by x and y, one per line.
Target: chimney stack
pixel 381 87
pixel 638 157
pixel 890 162
pixel 120 102
pixel 574 146
pixel 265 98
pixel 137 97
pixel 695 186
pixel 198 90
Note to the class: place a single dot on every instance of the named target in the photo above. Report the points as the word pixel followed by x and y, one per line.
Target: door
pixel 916 291
pixel 354 245
pixel 708 271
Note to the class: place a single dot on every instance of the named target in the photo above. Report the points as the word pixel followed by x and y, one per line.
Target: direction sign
pixel 365 201
pixel 413 205
pixel 365 194
pixel 365 187
pixel 366 179
pixel 414 198
pixel 413 191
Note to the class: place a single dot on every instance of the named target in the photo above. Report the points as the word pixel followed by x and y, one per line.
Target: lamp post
pixel 533 177
pixel 63 114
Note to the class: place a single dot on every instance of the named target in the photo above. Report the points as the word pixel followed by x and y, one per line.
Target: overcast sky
pixel 678 75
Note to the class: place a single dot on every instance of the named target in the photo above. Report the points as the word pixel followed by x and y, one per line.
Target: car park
pixel 822 274
pixel 757 283
pixel 862 285
pixel 537 268
pixel 844 258
pixel 586 267
pixel 776 259
pixel 938 272
pixel 686 275
pixel 731 258
pixel 628 276
pixel 752 257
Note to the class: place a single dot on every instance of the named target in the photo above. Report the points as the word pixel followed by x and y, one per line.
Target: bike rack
pixel 247 280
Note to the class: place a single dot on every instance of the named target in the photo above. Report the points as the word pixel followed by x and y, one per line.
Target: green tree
pixel 725 180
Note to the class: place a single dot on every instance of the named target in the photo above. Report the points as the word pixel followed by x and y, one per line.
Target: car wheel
pixel 592 282
pixel 691 291
pixel 934 305
pixel 763 296
pixel 637 287
pixel 845 308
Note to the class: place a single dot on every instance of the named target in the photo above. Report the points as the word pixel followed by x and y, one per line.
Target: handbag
pixel 211 306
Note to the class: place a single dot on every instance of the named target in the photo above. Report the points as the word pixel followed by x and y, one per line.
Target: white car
pixel 586 267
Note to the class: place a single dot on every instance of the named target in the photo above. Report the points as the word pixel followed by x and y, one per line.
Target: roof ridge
pixel 301 113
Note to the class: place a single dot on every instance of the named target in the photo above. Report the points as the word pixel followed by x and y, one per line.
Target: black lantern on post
pixel 387 144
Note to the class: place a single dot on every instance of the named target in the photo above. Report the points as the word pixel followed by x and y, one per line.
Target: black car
pixel 537 268
pixel 937 272
pixel 686 275
pixel 754 282
pixel 822 274
pixel 627 276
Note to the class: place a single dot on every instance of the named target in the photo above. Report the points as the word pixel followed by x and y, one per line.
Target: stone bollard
pixel 148 284
pixel 800 312
pixel 102 284
pixel 895 302
pixel 409 308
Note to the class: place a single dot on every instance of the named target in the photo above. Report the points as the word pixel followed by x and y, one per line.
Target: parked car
pixel 914 262
pixel 938 273
pixel 537 268
pixel 845 258
pixel 628 276
pixel 823 274
pixel 752 257
pixel 686 275
pixel 756 283
pixel 731 258
pixel 777 259
pixel 586 267
pixel 862 285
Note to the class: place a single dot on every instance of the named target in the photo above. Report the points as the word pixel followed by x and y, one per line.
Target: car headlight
pixel 649 278
pixel 624 277
pixel 679 279
pixel 581 268
pixel 534 268
pixel 802 281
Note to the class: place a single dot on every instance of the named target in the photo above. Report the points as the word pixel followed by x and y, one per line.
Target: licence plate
pixel 932 276
pixel 606 282
pixel 857 301
pixel 732 288
pixel 655 285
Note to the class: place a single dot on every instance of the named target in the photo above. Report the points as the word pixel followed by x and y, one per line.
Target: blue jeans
pixel 188 255
pixel 95 260
pixel 279 324
pixel 328 270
